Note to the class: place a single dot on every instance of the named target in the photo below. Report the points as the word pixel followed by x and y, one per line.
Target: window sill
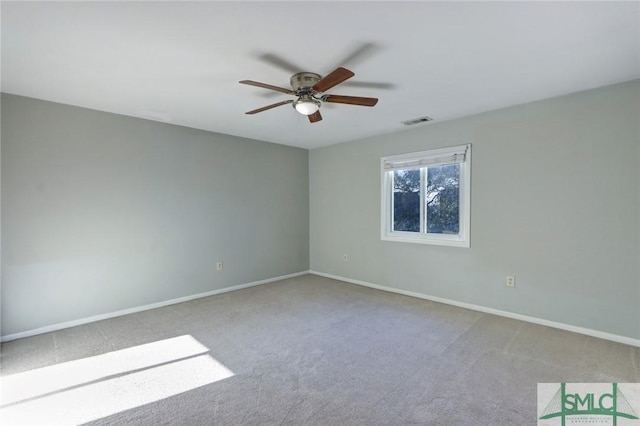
pixel 422 239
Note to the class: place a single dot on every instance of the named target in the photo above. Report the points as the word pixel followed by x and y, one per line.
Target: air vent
pixel 417 120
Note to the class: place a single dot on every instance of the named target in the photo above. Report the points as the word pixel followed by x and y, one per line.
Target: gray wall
pixel 102 212
pixel 555 202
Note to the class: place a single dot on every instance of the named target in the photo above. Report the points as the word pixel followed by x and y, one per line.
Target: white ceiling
pixel 180 62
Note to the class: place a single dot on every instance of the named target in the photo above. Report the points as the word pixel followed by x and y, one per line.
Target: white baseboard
pixel 581 330
pixel 94 318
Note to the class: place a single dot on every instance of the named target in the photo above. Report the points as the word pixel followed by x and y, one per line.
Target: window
pixel 426 196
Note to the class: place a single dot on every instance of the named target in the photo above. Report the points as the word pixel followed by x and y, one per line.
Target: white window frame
pixel 435 157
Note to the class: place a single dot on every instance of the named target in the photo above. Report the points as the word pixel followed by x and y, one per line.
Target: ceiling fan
pixel 309 89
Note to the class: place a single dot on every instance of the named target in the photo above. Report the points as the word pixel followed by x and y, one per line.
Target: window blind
pixel 442 156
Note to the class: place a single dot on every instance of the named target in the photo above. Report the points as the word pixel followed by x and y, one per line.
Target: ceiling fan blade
pixel 315 117
pixel 360 54
pixel 255 111
pixel 369 85
pixel 351 100
pixel 281 63
pixel 267 86
pixel 333 79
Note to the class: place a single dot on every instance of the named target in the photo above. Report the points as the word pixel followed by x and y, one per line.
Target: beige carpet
pixel 304 351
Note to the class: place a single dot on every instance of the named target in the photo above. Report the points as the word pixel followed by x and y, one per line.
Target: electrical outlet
pixel 345 258
pixel 219 266
pixel 510 281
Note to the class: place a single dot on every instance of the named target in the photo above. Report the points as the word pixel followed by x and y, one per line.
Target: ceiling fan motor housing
pixel 304 80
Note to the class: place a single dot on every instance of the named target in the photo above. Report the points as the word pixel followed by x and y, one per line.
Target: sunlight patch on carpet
pixel 91 388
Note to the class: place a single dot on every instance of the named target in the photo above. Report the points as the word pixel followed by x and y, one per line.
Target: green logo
pixel 587 400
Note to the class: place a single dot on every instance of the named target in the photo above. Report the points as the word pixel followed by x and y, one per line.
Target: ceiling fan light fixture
pixel 306 105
